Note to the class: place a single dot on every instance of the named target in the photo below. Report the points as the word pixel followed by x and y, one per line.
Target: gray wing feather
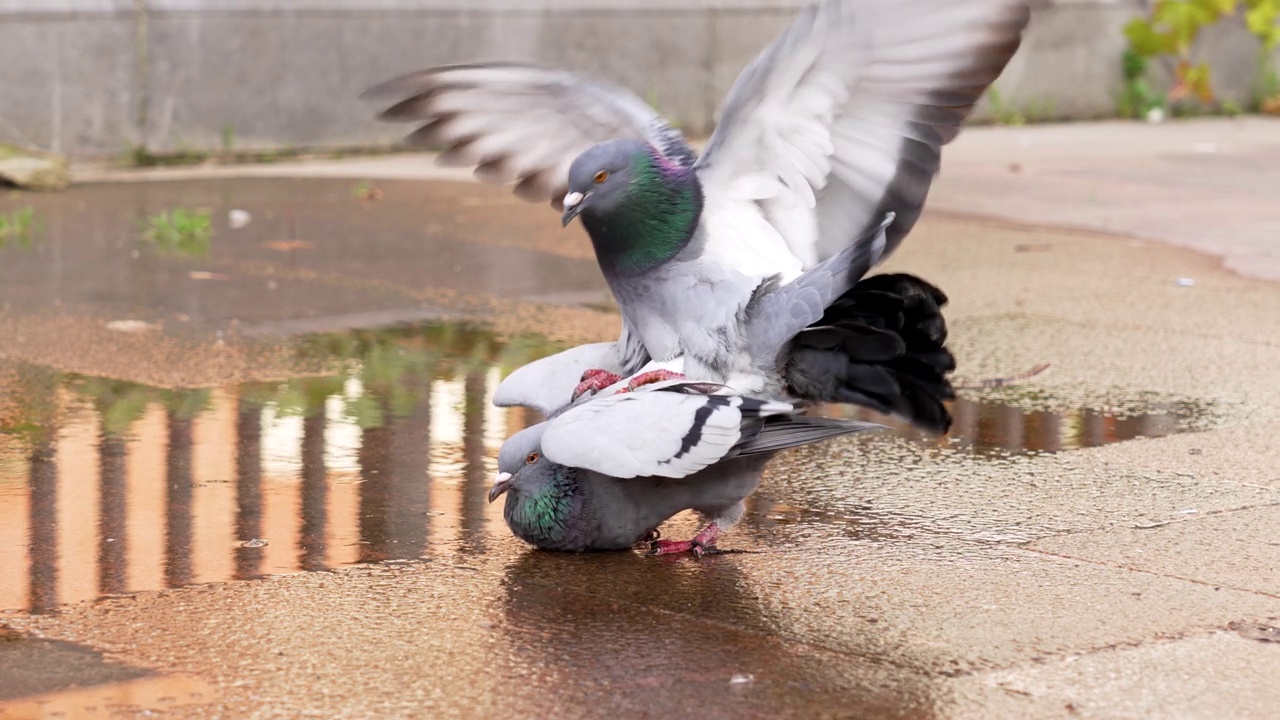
pixel 782 432
pixel 779 313
pixel 522 124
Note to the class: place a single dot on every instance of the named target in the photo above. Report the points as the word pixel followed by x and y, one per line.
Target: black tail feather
pixel 881 345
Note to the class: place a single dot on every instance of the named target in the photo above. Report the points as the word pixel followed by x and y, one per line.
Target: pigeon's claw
pixel 650 377
pixel 594 381
pixel 670 547
pixel 704 543
pixel 648 538
pixel 699 549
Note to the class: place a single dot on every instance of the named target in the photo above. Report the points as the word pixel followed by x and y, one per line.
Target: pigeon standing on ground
pixel 669 447
pixel 881 344
pixel 838 122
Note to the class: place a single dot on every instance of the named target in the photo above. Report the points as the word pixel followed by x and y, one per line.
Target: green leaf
pixel 1218 8
pixel 1183 18
pixel 1261 21
pixel 1145 41
pixel 1134 64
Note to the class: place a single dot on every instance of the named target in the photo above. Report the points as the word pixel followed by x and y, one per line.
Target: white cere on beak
pixel 500 485
pixel 572 199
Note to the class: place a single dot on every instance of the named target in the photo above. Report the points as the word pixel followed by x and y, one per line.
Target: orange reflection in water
pixel 144 695
pixel 993 428
pixel 237 489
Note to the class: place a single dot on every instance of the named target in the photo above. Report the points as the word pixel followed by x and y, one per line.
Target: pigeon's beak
pixel 500 486
pixel 572 206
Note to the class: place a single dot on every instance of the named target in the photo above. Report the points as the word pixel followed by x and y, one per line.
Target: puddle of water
pixel 992 429
pixel 311 248
pixel 57 679
pixel 109 487
pixel 142 697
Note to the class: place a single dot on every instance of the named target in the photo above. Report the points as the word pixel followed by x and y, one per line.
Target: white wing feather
pixel 645 434
pixel 842 118
pixel 546 384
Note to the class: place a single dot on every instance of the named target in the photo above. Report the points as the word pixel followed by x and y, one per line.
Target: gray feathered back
pixel 780 312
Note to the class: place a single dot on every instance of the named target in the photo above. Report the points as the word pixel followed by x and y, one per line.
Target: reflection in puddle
pixel 143 696
pixel 995 429
pixel 57 679
pixel 108 487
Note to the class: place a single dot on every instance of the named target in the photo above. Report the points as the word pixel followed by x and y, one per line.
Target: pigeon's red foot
pixel 649 378
pixel 704 543
pixel 594 381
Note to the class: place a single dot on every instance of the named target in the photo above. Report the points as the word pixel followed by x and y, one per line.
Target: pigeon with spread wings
pixel 838 122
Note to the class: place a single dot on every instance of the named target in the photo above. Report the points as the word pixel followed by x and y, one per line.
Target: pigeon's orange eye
pixel 601 177
pixel 531 458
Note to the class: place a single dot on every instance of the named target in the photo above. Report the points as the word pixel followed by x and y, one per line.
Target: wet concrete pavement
pixel 1099 541
pixel 1204 184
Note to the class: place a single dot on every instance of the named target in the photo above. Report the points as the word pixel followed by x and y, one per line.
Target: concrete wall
pixel 98 77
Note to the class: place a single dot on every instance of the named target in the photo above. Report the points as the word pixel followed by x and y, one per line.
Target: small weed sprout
pixel 181 231
pixel 17 227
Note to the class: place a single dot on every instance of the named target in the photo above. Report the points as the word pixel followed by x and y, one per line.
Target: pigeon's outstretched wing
pixel 659 432
pixel 844 116
pixel 547 384
pixel 522 124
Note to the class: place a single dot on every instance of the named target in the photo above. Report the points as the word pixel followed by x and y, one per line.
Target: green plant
pixel 366 190
pixel 140 156
pixel 1169 33
pixel 1042 110
pixel 1262 17
pixel 16 227
pixel 182 231
pixel 1004 113
pixel 228 136
pixel 1266 82
pixel 1136 96
pixel 1171 30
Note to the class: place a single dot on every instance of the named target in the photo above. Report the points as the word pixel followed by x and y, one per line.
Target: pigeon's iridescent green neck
pixel 655 220
pixel 545 516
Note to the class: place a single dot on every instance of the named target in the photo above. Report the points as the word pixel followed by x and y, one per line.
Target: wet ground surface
pixel 89 248
pixel 1200 183
pixel 110 487
pixel 304 532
